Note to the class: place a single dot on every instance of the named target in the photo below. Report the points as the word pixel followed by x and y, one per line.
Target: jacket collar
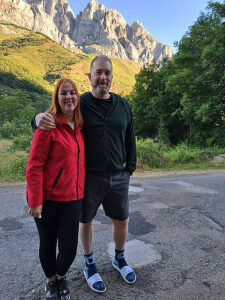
pixel 62 120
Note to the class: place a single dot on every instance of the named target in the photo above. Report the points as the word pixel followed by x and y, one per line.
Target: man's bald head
pixel 100 57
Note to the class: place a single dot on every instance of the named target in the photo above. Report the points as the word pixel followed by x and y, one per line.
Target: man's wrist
pixel 33 123
pixel 129 171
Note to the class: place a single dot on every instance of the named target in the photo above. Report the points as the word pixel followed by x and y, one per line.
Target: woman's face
pixel 67 99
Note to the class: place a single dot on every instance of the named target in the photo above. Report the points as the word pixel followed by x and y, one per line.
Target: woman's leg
pixel 47 229
pixel 68 227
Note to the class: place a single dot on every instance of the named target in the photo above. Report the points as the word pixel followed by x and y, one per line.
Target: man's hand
pixel 45 121
pixel 35 211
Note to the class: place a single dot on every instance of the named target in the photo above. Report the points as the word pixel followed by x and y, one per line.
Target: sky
pixel 166 20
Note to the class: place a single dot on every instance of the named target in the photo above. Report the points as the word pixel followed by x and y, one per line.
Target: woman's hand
pixel 35 211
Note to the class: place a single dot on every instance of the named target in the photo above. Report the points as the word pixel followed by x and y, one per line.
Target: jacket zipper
pixel 78 148
pixel 56 180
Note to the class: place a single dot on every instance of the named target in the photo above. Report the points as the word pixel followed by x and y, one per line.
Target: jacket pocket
pixel 56 180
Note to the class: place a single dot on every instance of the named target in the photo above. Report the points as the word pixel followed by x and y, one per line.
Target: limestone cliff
pixel 53 18
pixel 95 30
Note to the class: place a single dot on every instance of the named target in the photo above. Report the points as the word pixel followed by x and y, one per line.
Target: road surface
pixel 176 243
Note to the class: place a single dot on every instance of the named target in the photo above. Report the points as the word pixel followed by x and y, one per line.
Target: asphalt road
pixel 176 243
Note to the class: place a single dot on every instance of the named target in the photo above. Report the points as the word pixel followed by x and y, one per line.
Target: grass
pixel 184 167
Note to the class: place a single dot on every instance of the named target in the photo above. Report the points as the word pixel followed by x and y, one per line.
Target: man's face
pixel 101 78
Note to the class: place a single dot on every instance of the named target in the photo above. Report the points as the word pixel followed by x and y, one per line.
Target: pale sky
pixel 165 20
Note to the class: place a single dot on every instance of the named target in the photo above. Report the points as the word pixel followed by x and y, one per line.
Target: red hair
pixel 55 109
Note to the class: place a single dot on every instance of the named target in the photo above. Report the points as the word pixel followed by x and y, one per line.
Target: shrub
pixel 21 142
pixel 18 167
pixel 152 154
pixel 185 154
pixel 14 170
pixel 7 130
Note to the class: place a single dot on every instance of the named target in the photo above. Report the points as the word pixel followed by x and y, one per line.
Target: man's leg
pixel 95 190
pixel 90 269
pixel 90 272
pixel 119 232
pixel 85 234
pixel 116 206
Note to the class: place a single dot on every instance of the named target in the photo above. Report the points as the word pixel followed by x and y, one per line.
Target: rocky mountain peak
pixel 95 30
pixel 58 11
pixel 137 24
pixel 102 30
pixel 93 4
pixel 52 7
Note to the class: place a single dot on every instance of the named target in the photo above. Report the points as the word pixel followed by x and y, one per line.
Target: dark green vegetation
pixel 183 100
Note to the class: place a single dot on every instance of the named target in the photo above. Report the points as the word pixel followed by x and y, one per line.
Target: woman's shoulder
pixel 44 132
pixel 41 134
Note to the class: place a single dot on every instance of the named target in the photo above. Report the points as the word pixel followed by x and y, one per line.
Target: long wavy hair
pixel 55 109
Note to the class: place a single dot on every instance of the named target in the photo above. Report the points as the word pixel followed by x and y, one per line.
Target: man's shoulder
pixel 85 97
pixel 119 98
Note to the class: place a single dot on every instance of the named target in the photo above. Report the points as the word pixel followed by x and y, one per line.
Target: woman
pixel 55 186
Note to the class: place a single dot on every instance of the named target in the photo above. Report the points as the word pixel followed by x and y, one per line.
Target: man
pixel 109 143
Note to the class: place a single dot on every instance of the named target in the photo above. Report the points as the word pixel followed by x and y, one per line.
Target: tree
pixel 199 65
pixel 142 101
pixel 184 99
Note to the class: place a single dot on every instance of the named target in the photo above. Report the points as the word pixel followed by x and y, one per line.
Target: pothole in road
pixel 10 224
pixel 137 224
pixel 133 197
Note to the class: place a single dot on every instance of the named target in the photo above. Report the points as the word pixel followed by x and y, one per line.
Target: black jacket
pixel 109 141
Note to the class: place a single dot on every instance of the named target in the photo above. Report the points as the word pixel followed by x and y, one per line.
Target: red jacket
pixel 55 168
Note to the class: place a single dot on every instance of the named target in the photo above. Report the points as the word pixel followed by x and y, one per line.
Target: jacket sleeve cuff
pixel 33 123
pixel 129 170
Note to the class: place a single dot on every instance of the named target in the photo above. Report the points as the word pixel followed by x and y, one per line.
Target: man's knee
pixel 120 224
pixel 86 225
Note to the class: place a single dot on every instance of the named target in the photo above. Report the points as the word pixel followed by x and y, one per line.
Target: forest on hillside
pixel 183 100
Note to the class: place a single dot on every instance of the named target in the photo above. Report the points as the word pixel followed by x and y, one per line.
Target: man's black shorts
pixel 110 191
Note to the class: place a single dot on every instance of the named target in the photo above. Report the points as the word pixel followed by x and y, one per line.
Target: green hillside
pixel 30 65
pixel 29 58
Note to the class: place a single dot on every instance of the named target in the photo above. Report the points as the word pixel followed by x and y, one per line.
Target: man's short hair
pixel 101 56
